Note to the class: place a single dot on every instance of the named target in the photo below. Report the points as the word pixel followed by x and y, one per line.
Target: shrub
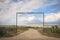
pixel 56 26
pixel 2 31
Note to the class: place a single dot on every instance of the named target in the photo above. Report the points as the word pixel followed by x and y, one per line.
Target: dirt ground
pixel 30 34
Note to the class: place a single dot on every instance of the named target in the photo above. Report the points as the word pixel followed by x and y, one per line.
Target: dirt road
pixel 31 34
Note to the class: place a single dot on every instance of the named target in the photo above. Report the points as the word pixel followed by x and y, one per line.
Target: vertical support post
pixel 43 21
pixel 16 22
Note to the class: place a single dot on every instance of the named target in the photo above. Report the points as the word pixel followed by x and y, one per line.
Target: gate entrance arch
pixel 29 13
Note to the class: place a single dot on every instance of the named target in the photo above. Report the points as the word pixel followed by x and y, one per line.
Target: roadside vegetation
pixel 9 31
pixel 53 31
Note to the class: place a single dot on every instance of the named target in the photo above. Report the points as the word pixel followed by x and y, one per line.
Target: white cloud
pixel 31 18
pixel 53 17
pixel 26 19
pixel 33 4
pixel 8 9
pixel 21 19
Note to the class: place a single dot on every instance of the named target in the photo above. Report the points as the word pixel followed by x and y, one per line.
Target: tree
pixel 56 26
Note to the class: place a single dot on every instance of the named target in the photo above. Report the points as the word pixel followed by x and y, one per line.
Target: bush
pixel 2 31
pixel 56 26
pixel 57 31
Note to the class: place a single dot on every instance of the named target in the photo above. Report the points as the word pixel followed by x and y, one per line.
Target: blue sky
pixel 49 8
pixel 9 8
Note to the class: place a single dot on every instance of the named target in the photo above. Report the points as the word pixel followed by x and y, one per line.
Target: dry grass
pixel 11 31
pixel 50 32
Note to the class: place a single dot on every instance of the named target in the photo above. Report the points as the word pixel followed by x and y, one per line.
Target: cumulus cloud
pixel 53 17
pixel 29 19
pixel 25 19
pixel 8 9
